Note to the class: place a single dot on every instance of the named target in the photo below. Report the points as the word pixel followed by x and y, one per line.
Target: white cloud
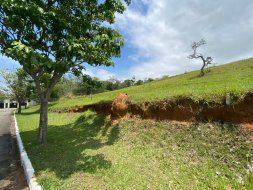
pixel 104 74
pixel 100 73
pixel 163 33
pixel 88 72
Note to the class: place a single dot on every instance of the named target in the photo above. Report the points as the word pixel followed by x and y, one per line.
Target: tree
pixel 17 84
pixel 112 84
pixel 87 85
pixel 148 80
pixel 51 37
pixel 139 82
pixel 206 61
pixel 55 94
pixel 127 83
pixel 67 85
pixel 2 95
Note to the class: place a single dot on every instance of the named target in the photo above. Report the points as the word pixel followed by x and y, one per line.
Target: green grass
pixel 236 77
pixel 86 151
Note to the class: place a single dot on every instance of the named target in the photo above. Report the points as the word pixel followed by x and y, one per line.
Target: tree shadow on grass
pixel 200 75
pixel 37 110
pixel 70 148
pixel 28 113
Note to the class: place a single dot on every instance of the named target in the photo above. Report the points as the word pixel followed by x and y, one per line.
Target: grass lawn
pixel 236 77
pixel 86 151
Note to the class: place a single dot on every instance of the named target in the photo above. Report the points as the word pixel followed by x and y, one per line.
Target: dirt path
pixel 11 173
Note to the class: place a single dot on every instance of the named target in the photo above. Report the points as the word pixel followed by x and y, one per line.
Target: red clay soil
pixel 179 109
pixel 120 106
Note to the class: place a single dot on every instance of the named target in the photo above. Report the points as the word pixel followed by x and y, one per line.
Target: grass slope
pixel 86 151
pixel 236 77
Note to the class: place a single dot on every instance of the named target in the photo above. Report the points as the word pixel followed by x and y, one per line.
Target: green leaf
pixel 40 10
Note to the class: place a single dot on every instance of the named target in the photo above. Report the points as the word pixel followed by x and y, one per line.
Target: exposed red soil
pixel 179 109
pixel 120 106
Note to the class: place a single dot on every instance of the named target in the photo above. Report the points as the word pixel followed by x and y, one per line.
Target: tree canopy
pixel 51 37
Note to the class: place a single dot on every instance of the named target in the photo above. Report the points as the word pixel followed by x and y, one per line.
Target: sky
pixel 158 36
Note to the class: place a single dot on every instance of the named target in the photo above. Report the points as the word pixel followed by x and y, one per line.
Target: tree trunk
pixel 204 64
pixel 42 135
pixel 202 69
pixel 19 107
pixel 44 95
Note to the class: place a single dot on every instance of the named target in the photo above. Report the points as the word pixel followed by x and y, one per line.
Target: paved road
pixel 11 173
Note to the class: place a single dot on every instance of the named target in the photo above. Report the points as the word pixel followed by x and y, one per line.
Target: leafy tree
pixel 51 37
pixel 128 82
pixel 55 95
pixel 112 84
pixel 17 84
pixel 88 85
pixel 149 80
pixel 2 95
pixel 206 61
pixel 139 82
pixel 67 85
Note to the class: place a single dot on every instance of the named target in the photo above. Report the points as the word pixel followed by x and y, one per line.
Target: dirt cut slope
pixel 180 109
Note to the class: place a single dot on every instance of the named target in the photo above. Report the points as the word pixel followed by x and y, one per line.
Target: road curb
pixel 25 162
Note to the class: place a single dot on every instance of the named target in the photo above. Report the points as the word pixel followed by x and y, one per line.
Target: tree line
pixel 87 85
pixel 20 86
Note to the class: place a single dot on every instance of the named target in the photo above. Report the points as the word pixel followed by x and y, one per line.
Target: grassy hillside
pixel 236 77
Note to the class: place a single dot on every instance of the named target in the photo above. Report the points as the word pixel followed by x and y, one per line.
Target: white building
pixel 7 103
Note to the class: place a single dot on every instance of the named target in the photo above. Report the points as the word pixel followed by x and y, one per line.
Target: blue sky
pixel 158 35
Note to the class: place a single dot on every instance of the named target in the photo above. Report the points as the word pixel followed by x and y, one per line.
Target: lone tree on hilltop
pixel 17 84
pixel 206 61
pixel 51 37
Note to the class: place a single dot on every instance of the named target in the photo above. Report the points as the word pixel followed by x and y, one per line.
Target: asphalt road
pixel 11 173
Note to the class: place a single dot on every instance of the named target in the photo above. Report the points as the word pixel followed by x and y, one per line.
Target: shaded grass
pixel 86 151
pixel 235 77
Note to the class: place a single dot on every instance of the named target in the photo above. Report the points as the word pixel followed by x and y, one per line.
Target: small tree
pixel 112 84
pixel 87 85
pixel 139 82
pixel 91 84
pixel 206 61
pixel 67 86
pixel 128 83
pixel 17 84
pixel 51 37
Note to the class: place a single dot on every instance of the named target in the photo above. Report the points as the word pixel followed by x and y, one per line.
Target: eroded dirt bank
pixel 179 109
